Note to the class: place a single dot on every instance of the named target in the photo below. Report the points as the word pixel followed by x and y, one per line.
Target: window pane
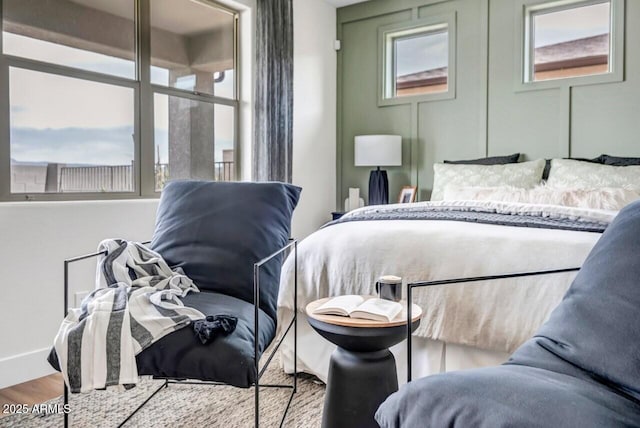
pixel 572 42
pixel 193 139
pixel 50 32
pixel 69 135
pixel 193 43
pixel 421 63
pixel 224 143
pixel 224 84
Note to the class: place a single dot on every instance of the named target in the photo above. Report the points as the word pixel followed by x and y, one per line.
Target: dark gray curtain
pixel 273 117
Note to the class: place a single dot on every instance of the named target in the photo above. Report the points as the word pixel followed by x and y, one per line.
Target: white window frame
pixel 525 12
pixel 386 57
pixel 144 90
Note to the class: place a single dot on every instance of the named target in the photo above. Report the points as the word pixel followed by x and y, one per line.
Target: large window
pixel 568 39
pixel 81 118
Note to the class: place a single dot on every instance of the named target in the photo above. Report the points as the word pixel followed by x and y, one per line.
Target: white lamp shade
pixel 378 150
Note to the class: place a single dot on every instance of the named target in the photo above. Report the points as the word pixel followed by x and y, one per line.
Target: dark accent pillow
pixel 619 161
pixel 493 160
pixel 547 165
pixel 216 231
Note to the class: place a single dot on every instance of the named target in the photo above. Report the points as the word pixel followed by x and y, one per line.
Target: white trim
pixel 24 367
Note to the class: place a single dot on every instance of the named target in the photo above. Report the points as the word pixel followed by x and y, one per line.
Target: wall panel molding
pixel 489 116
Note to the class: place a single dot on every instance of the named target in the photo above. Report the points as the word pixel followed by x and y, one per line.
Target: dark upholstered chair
pixel 230 239
pixel 581 369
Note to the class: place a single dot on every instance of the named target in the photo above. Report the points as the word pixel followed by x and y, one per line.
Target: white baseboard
pixel 24 367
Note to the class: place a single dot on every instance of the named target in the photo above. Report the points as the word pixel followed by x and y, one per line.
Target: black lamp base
pixel 378 187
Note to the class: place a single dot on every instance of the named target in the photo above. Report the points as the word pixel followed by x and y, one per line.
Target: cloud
pixel 89 146
pixel 98 146
pixel 422 53
pixel 571 24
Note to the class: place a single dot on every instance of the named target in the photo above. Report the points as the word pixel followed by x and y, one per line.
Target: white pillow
pixel 567 173
pixel 606 198
pixel 525 175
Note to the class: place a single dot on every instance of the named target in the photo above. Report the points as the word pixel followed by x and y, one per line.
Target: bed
pixel 464 326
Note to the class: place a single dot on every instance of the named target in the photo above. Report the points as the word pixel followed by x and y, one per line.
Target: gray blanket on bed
pixel 478 214
pixel 581 369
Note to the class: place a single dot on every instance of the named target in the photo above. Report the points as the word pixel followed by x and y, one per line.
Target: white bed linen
pixel 499 315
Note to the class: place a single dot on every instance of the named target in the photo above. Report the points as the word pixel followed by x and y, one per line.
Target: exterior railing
pixel 107 178
pixel 224 171
pixel 119 178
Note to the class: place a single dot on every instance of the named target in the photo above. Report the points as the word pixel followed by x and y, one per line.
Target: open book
pixel 357 307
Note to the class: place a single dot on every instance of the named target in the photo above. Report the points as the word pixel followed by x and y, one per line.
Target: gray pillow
pixel 619 161
pixel 216 231
pixel 493 160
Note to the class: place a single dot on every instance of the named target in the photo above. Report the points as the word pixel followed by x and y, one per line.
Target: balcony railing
pixel 107 178
pixel 119 178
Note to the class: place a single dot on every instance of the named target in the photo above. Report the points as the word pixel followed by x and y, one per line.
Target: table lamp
pixel 378 150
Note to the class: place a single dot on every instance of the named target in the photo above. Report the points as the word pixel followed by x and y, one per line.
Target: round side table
pixel 362 370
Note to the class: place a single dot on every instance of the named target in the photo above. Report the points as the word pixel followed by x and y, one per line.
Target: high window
pixel 420 63
pixel 568 39
pixel 112 98
pixel 417 60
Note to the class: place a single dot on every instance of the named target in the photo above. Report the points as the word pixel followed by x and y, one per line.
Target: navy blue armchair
pixel 230 239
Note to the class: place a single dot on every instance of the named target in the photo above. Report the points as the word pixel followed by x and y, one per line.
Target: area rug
pixel 189 406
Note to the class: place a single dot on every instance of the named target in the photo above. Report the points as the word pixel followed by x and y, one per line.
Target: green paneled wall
pixel 488 115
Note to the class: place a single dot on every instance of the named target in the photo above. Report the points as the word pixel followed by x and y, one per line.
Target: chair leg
pixel 165 384
pixel 65 405
pixel 256 404
pixel 295 316
pixel 295 353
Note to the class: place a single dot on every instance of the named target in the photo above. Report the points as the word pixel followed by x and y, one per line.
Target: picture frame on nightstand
pixel 407 194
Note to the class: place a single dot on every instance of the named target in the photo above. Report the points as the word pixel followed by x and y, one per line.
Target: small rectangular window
pixel 569 40
pixel 192 47
pixel 69 135
pixel 95 36
pixel 421 64
pixel 417 61
pixel 193 139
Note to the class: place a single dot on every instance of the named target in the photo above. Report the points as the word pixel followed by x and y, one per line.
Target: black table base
pixel 362 372
pixel 360 382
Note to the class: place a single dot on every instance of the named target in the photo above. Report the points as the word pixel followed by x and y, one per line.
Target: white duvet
pixel 500 315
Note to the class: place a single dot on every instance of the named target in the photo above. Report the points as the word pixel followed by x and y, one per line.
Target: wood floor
pixel 33 392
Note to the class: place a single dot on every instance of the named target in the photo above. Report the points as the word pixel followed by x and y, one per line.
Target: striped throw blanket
pixel 136 302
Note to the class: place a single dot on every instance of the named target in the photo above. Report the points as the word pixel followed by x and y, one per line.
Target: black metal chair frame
pixel 291 246
pixel 411 286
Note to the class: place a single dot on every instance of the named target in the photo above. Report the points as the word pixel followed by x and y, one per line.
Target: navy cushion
pixel 216 231
pixel 619 161
pixel 581 369
pixel 493 160
pixel 227 359
pixel 506 396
